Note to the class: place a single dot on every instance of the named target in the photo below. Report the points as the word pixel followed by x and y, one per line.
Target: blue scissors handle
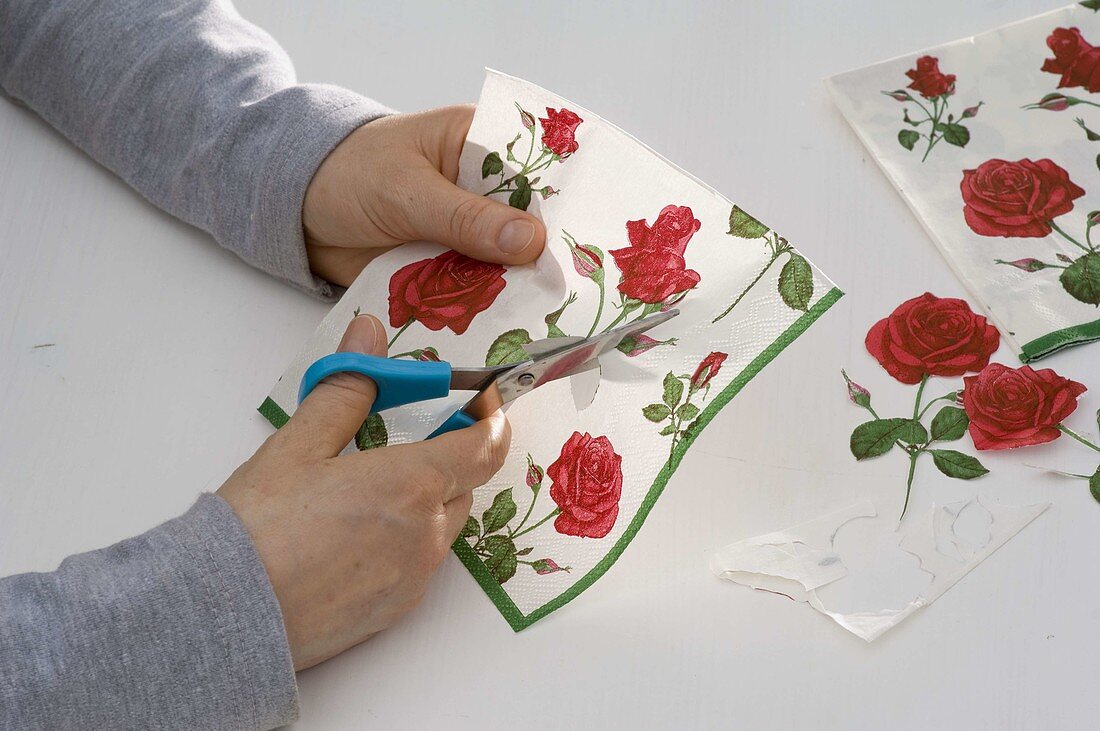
pixel 399 382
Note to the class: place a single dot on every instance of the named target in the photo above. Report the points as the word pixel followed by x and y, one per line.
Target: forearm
pixel 193 106
pixel 176 628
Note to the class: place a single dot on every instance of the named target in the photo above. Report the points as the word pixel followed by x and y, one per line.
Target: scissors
pixel 402 382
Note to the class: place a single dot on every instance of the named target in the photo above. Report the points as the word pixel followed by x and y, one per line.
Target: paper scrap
pixel 799 561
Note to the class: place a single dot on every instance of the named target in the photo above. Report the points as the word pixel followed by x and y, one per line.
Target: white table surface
pixel 162 345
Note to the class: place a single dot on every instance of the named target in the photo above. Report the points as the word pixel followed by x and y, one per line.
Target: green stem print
pixel 935 88
pixel 494 539
pixel 677 410
pixel 557 142
pixel 878 436
pixel 1094 478
pixel 796 278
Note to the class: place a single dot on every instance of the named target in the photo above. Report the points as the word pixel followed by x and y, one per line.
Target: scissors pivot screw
pixel 526 379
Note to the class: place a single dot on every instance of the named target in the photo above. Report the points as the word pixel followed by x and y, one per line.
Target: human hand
pixel 350 542
pixel 392 181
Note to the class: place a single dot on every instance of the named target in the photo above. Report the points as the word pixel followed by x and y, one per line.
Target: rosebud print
pixel 586 260
pixel 859 395
pixel 1054 103
pixel 534 473
pixel 1028 265
pixel 526 118
pixel 971 111
pixel 547 566
pixel 638 344
pixel 707 370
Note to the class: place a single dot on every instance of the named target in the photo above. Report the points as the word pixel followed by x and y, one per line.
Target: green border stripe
pixel 517 619
pixel 1051 343
pixel 273 413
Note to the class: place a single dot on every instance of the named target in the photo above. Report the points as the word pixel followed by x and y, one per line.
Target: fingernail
pixel 359 338
pixel 516 236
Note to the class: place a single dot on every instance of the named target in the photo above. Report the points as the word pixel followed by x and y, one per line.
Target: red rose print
pixel 708 369
pixel 653 266
pixel 1016 199
pixel 559 128
pixel 928 81
pixel 932 336
pixel 446 291
pixel 1075 59
pixel 1017 407
pixel 587 483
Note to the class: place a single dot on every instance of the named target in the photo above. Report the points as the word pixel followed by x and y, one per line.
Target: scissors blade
pixel 557 363
pixel 540 348
pixel 576 357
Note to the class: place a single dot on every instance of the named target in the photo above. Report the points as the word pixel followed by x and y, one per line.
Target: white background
pixel 163 345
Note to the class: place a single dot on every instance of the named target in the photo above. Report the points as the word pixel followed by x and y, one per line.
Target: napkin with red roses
pixel 994 142
pixel 629 234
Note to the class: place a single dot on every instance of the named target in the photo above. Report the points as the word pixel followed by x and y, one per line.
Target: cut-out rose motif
pixel 932 336
pixel 1022 407
pixel 448 290
pixel 1021 200
pixel 926 79
pixel 677 411
pixel 557 142
pixel 1017 407
pixel 1000 407
pixel 924 337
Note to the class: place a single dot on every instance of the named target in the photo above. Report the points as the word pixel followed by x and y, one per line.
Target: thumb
pixel 479 227
pixel 333 412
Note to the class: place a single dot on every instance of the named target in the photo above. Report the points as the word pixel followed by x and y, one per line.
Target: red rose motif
pixel 1016 199
pixel 933 336
pixel 1017 407
pixel 708 369
pixel 928 81
pixel 446 291
pixel 587 483
pixel 1075 59
pixel 653 266
pixel 559 129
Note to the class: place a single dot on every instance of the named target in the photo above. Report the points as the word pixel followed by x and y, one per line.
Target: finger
pixel 477 226
pixel 457 511
pixel 333 412
pixel 454 463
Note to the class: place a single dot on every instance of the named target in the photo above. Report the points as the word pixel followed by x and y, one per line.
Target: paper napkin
pixel 628 234
pixel 994 142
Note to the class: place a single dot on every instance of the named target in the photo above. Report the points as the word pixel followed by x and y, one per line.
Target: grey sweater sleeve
pixel 191 105
pixel 199 111
pixel 175 628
